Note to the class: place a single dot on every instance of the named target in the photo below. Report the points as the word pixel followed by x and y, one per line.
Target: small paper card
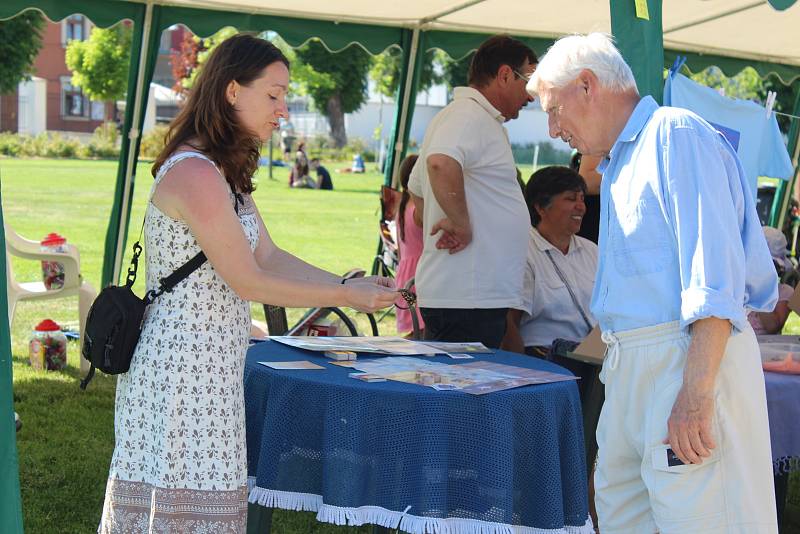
pixel 445 387
pixel 340 355
pixel 591 350
pixel 284 366
pixel 642 11
pixel 457 356
pixel 345 363
pixel 367 377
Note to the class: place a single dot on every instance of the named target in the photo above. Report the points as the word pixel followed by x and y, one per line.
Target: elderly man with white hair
pixel 683 436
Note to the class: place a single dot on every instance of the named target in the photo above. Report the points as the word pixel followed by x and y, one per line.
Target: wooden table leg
pixel 259 519
pixel 781 491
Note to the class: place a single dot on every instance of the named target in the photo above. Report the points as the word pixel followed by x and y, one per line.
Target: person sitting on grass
pixel 299 175
pixel 323 176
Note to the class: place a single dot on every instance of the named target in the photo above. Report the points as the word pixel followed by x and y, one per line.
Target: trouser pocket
pixel 686 491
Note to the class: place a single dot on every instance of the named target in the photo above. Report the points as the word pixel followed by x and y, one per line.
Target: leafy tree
pixel 192 57
pixel 784 99
pixel 746 85
pixel 100 64
pixel 455 70
pixel 185 61
pixel 335 81
pixel 20 42
pixel 386 74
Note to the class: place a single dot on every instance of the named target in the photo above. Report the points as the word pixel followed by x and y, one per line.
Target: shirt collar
pixel 543 244
pixel 636 122
pixel 463 93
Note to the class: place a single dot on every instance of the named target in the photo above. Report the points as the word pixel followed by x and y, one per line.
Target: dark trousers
pixel 487 326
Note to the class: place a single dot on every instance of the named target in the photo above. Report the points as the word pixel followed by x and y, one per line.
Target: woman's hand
pixel 369 296
pixel 383 281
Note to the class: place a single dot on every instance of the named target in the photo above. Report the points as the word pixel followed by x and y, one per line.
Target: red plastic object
pixel 53 240
pixel 48 325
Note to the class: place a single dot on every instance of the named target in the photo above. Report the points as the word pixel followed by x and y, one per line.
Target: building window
pixel 74 27
pixel 73 103
pixel 98 111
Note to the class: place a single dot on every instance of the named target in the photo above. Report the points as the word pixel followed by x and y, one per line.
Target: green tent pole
pixel 144 50
pixel 413 51
pixel 10 504
pixel 641 42
pixel 780 204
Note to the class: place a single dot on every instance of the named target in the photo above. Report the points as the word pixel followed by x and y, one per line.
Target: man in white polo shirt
pixel 475 220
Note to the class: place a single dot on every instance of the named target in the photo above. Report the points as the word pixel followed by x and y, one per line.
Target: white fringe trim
pixel 376 515
pixel 786 465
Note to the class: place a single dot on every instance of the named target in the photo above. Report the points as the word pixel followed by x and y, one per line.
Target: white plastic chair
pixel 74 284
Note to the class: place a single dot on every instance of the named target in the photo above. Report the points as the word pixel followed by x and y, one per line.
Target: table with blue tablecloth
pixel 783 407
pixel 409 456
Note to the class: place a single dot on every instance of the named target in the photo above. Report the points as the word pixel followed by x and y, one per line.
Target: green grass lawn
pixel 67 437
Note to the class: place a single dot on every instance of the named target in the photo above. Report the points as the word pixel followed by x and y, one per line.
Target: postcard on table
pixel 591 350
pixel 449 347
pixel 285 366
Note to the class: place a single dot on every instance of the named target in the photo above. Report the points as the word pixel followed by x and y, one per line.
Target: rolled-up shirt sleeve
pixel 706 205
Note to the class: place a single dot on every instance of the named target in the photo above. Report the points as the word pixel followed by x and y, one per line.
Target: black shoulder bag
pixel 115 318
pixel 114 323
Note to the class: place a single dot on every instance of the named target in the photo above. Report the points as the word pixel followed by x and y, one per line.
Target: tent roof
pixel 730 34
pixel 746 29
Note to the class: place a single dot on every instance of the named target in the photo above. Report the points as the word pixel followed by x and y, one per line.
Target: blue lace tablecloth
pixel 783 405
pixel 397 454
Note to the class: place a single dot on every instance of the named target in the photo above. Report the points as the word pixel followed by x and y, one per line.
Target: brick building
pixel 67 109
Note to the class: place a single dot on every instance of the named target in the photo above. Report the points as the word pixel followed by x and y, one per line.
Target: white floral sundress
pixel 179 463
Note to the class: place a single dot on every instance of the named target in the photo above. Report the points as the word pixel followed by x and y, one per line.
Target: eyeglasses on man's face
pixel 526 77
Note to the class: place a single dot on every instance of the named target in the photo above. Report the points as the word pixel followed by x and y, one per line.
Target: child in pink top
pixel 409 241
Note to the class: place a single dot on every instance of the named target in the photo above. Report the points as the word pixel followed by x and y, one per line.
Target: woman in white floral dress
pixel 179 463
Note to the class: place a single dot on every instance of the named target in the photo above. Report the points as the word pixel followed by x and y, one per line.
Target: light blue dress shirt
pixel 680 239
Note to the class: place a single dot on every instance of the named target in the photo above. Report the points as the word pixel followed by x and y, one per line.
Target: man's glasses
pixel 526 77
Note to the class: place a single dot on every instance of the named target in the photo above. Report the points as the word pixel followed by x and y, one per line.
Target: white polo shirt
pixel 549 310
pixel 488 272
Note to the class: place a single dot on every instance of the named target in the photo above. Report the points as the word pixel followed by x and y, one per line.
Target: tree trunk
pixel 336 120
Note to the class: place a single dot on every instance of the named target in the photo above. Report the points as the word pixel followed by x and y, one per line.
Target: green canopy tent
pixel 416 26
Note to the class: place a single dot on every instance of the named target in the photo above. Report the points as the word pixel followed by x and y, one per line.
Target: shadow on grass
pixel 791 515
pixel 64 448
pixel 284 521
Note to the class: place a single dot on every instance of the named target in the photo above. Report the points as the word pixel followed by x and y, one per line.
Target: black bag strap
pixel 88 378
pixel 571 293
pixel 167 283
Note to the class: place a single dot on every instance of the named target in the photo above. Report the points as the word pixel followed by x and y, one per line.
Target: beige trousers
pixel 638 490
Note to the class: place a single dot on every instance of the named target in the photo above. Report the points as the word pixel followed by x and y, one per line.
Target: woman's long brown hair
pixel 208 122
pixel 405 174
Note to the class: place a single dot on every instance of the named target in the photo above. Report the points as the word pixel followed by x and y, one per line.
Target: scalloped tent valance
pixel 730 34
